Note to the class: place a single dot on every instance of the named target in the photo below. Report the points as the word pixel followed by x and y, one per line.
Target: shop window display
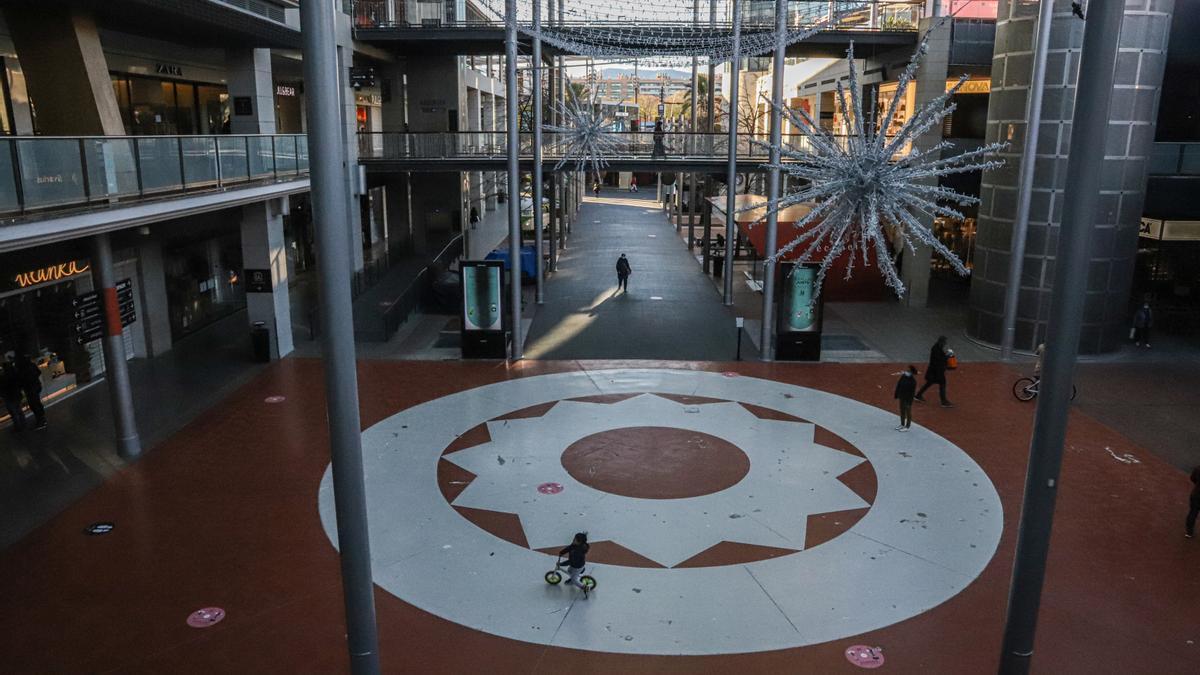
pixel 38 322
pixel 204 283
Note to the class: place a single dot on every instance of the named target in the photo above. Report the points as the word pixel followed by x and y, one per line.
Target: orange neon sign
pixel 52 273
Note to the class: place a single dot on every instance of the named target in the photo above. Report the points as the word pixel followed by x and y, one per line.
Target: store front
pixel 289 108
pixel 37 317
pixel 153 106
pixel 203 280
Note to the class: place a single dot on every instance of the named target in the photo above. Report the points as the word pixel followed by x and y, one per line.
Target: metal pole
pixel 1033 115
pixel 536 74
pixel 326 142
pixel 768 309
pixel 735 64
pixel 514 174
pixel 692 131
pixel 1084 171
pixel 116 369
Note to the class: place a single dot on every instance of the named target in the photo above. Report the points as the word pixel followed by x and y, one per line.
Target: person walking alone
pixel 1194 504
pixel 623 272
pixel 30 377
pixel 633 184
pixel 1143 319
pixel 906 390
pixel 935 373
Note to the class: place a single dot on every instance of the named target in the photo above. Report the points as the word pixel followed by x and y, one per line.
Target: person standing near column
pixel 935 373
pixel 1143 319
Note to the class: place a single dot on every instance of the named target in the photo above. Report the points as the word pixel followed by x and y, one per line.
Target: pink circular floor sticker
pixel 275 399
pixel 864 656
pixel 550 488
pixel 203 618
pixel 730 373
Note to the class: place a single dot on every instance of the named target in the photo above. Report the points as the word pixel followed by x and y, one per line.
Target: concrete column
pixel 155 316
pixel 263 248
pixel 66 72
pixel 116 368
pixel 931 83
pixel 1141 59
pixel 250 77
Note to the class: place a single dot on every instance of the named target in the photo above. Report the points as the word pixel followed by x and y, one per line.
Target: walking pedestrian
pixel 596 189
pixel 30 377
pixel 1143 320
pixel 623 272
pixel 660 137
pixel 1040 353
pixel 906 390
pixel 935 372
pixel 633 184
pixel 1194 504
pixel 10 388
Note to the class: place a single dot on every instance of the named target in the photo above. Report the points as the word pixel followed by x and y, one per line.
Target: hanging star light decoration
pixel 585 137
pixel 873 180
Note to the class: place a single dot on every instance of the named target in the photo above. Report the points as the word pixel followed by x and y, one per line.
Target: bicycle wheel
pixel 588 581
pixel 1025 389
pixel 553 577
pixel 1074 392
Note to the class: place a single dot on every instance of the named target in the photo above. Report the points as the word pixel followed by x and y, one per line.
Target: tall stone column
pixel 66 72
pixel 1128 144
pixel 250 77
pixel 263 248
pixel 155 317
pixel 931 83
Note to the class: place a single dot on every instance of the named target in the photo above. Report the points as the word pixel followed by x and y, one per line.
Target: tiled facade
pixel 1129 141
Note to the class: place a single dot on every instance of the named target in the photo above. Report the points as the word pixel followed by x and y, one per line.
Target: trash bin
pixel 718 266
pixel 260 339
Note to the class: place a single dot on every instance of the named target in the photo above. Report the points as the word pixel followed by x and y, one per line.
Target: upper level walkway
pixel 51 187
pixel 477 26
pixel 479 150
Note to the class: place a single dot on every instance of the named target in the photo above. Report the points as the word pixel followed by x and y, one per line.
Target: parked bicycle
pixel 1027 389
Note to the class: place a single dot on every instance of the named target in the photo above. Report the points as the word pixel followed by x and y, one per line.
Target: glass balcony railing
pixel 879 15
pixel 627 146
pixel 1175 159
pixel 40 173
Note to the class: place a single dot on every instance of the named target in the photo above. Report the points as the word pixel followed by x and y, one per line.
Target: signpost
pixel 89 312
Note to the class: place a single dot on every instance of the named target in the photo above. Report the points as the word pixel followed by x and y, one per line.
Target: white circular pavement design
pixel 934 525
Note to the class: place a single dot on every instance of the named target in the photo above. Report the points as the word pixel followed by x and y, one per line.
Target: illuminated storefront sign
pixel 973 86
pixel 51 273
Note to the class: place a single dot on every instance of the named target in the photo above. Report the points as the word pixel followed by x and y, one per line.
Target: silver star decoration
pixel 584 138
pixel 870 182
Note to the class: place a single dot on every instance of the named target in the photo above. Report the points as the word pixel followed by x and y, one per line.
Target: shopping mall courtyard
pixel 744 517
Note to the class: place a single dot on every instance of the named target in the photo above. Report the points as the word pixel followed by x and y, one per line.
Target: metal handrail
pixel 629 145
pixel 46 173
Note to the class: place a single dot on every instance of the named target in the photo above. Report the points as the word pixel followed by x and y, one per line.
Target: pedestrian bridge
pixel 487 150
pixel 477 26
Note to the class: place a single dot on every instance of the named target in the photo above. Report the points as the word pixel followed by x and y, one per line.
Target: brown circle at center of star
pixel 655 462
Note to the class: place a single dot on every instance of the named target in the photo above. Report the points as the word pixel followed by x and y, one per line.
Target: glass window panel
pixel 233 158
pixel 185 109
pixel 261 161
pixel 51 172
pixel 149 108
pixel 199 160
pixel 213 109
pixel 8 179
pixel 121 89
pixel 285 154
pixel 159 159
pixel 112 171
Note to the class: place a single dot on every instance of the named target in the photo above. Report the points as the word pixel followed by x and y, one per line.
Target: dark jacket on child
pixel 906 387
